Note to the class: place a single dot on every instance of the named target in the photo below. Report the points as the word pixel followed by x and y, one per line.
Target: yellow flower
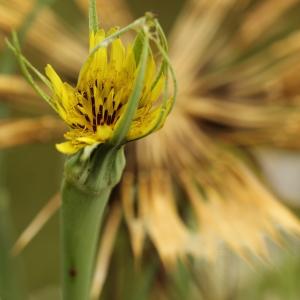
pixel 93 109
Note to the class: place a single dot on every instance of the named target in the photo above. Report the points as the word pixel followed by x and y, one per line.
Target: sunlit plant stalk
pixel 96 140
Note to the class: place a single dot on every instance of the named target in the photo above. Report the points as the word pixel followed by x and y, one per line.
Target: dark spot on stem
pixel 72 272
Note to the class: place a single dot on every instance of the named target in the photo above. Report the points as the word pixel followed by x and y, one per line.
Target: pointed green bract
pixel 25 64
pixel 124 125
pixel 138 46
pixel 93 17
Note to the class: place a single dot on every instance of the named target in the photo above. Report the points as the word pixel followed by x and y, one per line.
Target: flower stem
pixel 85 192
pixel 81 220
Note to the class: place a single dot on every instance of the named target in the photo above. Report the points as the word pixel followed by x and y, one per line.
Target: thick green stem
pixel 86 188
pixel 81 216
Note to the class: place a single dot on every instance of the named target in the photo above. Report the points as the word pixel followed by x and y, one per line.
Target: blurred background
pixel 238 65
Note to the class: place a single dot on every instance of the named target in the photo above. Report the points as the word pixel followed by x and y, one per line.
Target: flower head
pixel 94 109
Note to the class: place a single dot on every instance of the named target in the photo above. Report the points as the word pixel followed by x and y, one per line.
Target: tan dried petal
pixel 47 32
pixel 105 251
pixel 26 131
pixel 43 216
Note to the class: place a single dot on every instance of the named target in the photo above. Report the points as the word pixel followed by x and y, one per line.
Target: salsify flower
pixel 94 108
